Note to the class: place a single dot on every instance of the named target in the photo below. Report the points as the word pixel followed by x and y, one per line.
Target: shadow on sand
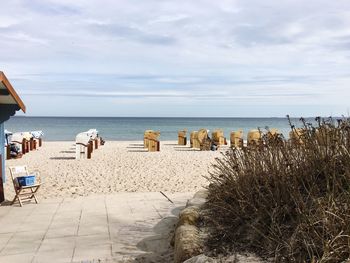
pixel 138 151
pixel 182 147
pixel 8 203
pixel 186 150
pixel 157 248
pixel 16 203
pixel 136 144
pixel 62 158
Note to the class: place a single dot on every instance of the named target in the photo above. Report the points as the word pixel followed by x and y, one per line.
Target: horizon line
pixel 174 117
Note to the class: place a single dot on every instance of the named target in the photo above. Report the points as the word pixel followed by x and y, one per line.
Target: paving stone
pixel 93 229
pixel 33 218
pixel 4 239
pixel 57 256
pixel 33 226
pixel 66 222
pixel 23 242
pixel 93 218
pixel 46 208
pixel 67 215
pixel 20 247
pixel 18 258
pixel 5 210
pixel 10 227
pixel 52 244
pixel 92 240
pixel 63 231
pixel 89 253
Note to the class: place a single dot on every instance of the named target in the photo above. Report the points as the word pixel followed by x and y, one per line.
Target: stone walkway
pixel 124 227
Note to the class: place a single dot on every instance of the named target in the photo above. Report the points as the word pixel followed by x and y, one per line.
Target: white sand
pixel 116 167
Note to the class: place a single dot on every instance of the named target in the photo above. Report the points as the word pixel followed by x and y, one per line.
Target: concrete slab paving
pixel 62 231
pixel 18 258
pixel 58 256
pixel 123 227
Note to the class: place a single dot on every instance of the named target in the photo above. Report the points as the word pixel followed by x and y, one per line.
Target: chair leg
pixel 33 195
pixel 17 197
pixel 34 192
pixel 20 201
pixel 36 200
pixel 14 199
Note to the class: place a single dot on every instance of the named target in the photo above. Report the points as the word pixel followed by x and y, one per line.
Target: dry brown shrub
pixel 289 202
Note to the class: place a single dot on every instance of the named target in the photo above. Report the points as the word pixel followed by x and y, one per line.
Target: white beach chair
pixel 37 135
pixel 8 137
pixel 82 146
pixel 94 137
pixel 93 133
pixel 18 139
pixel 24 193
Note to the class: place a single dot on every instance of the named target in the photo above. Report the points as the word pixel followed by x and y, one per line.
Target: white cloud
pixel 285 49
pixel 168 19
pixel 7 21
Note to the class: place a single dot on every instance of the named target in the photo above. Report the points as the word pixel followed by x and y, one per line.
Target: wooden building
pixel 10 102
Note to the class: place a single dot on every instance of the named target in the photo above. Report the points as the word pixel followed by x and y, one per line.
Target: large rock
pixel 187 240
pixel 187 243
pixel 196 201
pixel 201 259
pixel 201 194
pixel 245 258
pixel 236 258
pixel 189 215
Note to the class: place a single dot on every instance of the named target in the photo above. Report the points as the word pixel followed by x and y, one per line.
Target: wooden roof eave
pixel 12 91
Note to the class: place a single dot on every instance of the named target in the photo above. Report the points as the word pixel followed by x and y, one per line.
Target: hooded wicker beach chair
pixel 83 146
pixel 29 140
pixel 145 137
pixel 274 136
pixel 273 133
pixel 296 136
pixel 218 137
pixel 203 140
pixel 37 138
pixel 20 141
pixel 182 138
pixel 25 184
pixel 253 138
pixel 236 139
pixel 8 137
pixel 152 141
pixel 96 140
pixel 193 135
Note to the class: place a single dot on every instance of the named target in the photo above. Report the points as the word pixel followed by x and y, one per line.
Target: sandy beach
pixel 118 166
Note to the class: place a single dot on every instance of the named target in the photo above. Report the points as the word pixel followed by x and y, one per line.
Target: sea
pixel 132 128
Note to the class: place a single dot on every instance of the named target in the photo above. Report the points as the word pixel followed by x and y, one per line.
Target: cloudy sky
pixel 178 58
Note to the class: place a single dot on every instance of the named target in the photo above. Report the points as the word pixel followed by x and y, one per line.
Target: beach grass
pixel 286 201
